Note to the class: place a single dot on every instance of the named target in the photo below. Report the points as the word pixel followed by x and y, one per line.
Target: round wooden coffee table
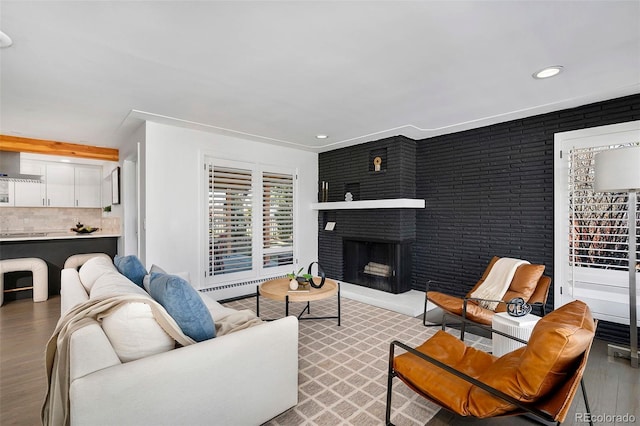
pixel 278 289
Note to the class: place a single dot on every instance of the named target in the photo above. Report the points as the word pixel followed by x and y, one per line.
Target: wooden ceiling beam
pixel 41 146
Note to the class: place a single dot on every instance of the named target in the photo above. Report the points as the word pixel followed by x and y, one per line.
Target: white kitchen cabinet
pixel 31 193
pixel 64 185
pixel 88 186
pixel 7 197
pixel 60 180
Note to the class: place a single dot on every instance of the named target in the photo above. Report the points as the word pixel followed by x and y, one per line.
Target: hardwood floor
pixel 25 328
pixel 612 385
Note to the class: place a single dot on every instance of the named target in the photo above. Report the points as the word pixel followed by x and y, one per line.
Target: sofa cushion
pixel 131 267
pixel 93 269
pixel 132 328
pixel 527 374
pixel 184 304
pixel 114 283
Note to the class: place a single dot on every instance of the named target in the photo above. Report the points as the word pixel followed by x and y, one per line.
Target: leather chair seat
pixel 453 304
pixel 447 390
pixel 544 373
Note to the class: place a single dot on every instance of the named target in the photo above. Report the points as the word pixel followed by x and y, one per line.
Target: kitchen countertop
pixel 52 235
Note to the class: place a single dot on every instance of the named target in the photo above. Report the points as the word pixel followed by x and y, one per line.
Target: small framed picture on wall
pixel 115 186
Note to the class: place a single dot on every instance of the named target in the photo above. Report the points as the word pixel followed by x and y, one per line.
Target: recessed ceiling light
pixel 548 72
pixel 5 40
pixel 321 136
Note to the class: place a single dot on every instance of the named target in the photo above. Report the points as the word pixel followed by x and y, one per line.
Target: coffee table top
pixel 278 289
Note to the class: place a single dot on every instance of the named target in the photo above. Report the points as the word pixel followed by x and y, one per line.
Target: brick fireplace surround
pixel 353 170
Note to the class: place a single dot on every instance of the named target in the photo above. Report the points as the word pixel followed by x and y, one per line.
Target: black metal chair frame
pixel 463 319
pixel 527 408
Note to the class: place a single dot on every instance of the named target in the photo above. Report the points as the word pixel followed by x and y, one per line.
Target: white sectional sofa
pixel 243 378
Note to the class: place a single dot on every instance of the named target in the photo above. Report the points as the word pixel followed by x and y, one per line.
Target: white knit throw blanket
pixel 497 282
pixel 55 410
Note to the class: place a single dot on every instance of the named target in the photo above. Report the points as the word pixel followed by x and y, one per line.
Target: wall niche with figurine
pixel 382 169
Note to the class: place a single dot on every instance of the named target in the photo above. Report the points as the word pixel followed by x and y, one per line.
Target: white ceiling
pixel 281 72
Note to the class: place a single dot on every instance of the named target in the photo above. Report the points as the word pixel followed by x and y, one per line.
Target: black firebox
pixel 379 264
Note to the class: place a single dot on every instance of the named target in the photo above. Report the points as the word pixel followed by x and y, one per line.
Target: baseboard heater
pixel 235 291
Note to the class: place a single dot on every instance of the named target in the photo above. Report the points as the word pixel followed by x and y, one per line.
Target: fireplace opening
pixel 381 265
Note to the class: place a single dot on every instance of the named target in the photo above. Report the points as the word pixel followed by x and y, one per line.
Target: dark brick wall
pixel 488 191
pixel 349 166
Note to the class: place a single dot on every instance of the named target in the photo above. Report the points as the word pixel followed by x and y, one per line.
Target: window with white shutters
pixel 598 222
pixel 250 220
pixel 591 228
pixel 230 220
pixel 277 219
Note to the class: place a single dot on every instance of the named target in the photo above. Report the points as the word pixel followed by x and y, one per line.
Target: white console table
pixel 520 327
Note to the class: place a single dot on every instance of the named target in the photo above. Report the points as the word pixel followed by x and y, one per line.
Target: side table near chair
pixel 519 327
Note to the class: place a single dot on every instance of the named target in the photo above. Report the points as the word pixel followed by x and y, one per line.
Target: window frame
pixel 604 290
pixel 258 270
pixel 276 179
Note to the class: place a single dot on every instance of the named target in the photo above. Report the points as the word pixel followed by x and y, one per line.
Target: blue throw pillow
pixel 131 267
pixel 184 304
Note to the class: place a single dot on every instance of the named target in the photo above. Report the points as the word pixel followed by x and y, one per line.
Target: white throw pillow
pixel 132 328
pixel 146 281
pixel 114 283
pixel 93 269
pixel 215 308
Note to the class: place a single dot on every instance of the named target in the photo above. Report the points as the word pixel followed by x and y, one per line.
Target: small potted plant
pixel 296 279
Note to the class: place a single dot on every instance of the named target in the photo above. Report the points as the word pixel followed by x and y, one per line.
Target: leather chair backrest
pixel 494 259
pixel 556 347
pixel 524 283
pixel 542 290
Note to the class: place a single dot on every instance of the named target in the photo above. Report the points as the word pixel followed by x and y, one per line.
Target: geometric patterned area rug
pixel 342 377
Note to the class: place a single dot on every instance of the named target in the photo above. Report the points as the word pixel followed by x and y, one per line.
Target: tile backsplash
pixel 53 219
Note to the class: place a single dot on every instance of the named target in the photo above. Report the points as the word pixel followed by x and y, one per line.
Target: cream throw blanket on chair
pixel 497 282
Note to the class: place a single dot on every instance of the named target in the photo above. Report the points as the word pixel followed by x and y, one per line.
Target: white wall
pixel 174 192
pixel 129 198
pixel 130 187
